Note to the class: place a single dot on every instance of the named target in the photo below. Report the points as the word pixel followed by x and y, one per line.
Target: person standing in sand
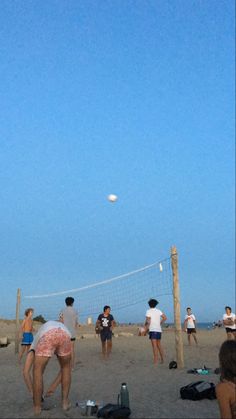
pixel 26 329
pixel 69 317
pixel 229 321
pixel 106 323
pixel 190 325
pixel 226 389
pixel 52 337
pixel 154 320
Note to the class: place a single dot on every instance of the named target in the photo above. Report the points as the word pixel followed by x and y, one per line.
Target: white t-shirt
pixel 155 323
pixel 51 324
pixel 190 322
pixel 228 317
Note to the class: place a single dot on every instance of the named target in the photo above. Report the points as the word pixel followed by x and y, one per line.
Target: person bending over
pixel 52 337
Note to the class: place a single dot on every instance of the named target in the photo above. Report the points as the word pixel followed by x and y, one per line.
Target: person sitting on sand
pixel 52 337
pixel 106 323
pixel 154 320
pixel 26 329
pixel 229 321
pixel 190 325
pixel 226 389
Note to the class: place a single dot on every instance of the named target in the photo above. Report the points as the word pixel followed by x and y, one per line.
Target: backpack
pixel 198 391
pixel 173 364
pixel 113 411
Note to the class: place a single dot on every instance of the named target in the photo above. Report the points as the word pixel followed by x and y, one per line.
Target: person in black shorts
pixel 106 323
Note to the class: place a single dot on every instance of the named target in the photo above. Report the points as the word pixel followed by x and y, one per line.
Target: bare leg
pixel 23 349
pixel 53 385
pixel 189 339
pixel 73 354
pixel 104 349
pixel 109 347
pixel 155 350
pixel 65 363
pixel 40 363
pixel 195 338
pixel 160 349
pixel 27 371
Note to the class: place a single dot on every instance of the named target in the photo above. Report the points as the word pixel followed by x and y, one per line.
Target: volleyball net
pixel 128 291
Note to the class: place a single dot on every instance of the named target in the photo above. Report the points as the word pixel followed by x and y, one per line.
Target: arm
pixel 228 322
pixel 147 323
pixel 61 318
pixel 185 325
pixel 163 318
pixel 224 401
pixel 98 323
pixel 113 324
pixel 22 328
pixel 32 326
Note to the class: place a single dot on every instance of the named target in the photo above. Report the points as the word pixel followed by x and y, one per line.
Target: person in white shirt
pixel 154 320
pixel 229 321
pixel 190 326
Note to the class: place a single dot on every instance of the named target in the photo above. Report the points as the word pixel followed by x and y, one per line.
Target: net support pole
pixel 177 315
pixel 18 298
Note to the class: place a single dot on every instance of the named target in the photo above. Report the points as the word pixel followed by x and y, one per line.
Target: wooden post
pixel 17 321
pixel 177 315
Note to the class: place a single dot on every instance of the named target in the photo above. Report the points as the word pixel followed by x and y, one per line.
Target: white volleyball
pixel 112 197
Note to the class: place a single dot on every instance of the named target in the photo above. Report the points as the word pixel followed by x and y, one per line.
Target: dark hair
pixel 27 311
pixel 227 358
pixel 230 309
pixel 105 308
pixel 188 308
pixel 152 303
pixel 69 301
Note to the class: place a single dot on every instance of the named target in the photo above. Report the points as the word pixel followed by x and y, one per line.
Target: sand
pixel 154 390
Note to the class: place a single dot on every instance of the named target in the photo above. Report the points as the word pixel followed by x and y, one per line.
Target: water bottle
pixel 123 397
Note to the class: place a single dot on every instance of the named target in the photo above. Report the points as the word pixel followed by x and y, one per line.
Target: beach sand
pixel 154 390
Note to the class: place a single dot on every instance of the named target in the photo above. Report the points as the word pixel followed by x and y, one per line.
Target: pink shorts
pixel 55 341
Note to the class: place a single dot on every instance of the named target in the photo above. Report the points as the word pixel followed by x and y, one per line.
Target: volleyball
pixel 112 198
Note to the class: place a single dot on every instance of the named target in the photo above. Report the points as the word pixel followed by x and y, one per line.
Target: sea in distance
pixel 200 325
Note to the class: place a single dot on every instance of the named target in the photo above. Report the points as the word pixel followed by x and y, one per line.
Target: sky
pixel 134 98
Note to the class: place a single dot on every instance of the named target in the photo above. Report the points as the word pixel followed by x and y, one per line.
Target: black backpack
pixel 113 411
pixel 198 391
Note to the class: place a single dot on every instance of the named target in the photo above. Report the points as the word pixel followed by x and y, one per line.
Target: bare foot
pixel 66 405
pixel 37 411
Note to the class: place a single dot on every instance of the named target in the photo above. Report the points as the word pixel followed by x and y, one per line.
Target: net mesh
pixel 129 290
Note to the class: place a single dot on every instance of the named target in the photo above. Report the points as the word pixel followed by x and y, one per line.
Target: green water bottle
pixel 123 397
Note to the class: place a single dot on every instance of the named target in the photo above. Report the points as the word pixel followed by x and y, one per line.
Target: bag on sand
pixel 113 411
pixel 198 391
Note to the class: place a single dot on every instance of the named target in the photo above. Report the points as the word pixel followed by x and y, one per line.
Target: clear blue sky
pixel 128 97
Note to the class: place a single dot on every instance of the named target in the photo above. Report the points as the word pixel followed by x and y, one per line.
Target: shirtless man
pixel 26 329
